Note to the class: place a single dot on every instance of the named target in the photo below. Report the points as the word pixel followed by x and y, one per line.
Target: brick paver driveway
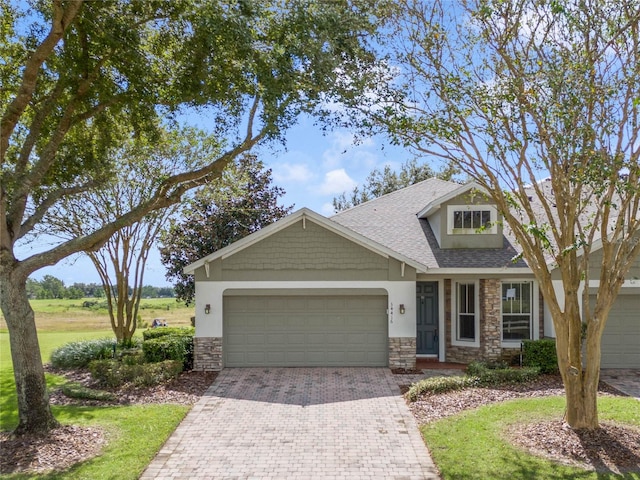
pixel 298 423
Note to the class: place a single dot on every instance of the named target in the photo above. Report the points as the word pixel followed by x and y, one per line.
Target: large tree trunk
pixel 34 411
pixel 580 382
pixel 582 398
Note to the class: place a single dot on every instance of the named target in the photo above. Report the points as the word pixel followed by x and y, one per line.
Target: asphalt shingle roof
pixel 391 220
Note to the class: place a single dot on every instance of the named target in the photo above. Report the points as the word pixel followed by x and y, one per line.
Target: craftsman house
pixel 423 271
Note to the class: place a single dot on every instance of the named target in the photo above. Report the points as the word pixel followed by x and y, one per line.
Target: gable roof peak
pixel 434 205
pixel 404 191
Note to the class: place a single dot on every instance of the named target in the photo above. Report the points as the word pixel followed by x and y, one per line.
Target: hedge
pixel 540 354
pixel 169 347
pixel 113 373
pixel 158 332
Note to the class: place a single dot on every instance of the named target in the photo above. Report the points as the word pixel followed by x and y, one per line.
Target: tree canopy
pixel 120 262
pixel 515 92
pixel 79 78
pixel 240 203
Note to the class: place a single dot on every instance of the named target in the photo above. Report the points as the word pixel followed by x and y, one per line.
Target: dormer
pixel 464 218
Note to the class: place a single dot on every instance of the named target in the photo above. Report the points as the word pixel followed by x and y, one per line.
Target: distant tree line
pixel 52 287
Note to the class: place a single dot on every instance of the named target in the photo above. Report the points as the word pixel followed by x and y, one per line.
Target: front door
pixel 427 306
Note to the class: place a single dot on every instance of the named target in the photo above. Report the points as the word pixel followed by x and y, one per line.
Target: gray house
pixel 425 271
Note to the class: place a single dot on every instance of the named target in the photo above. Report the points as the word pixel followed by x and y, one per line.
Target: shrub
pixel 77 390
pixel 490 374
pixel 150 374
pixel 506 376
pixel 79 354
pixel 113 373
pixel 436 385
pixel 164 331
pixel 476 369
pixel 478 374
pixel 540 354
pixel 170 347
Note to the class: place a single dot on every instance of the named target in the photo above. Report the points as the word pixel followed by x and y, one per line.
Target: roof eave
pixel 434 206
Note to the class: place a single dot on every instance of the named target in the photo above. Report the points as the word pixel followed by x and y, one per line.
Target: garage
pixel 305 330
pixel 621 337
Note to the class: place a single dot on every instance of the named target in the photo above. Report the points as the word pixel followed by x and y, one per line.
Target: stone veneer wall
pixel 402 352
pixel 207 354
pixel 490 324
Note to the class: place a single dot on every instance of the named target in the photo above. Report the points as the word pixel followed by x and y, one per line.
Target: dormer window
pixel 471 219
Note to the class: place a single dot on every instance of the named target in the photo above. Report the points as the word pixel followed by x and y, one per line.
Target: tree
pixel 52 287
pixel 380 183
pixel 513 92
pixel 121 261
pixel 81 76
pixel 240 203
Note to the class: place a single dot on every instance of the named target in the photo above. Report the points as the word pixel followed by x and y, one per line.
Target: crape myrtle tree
pixel 513 92
pixel 239 203
pixel 120 262
pixel 380 183
pixel 77 77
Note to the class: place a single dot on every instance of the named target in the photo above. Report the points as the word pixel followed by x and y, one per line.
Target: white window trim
pixel 535 314
pixel 493 229
pixel 454 314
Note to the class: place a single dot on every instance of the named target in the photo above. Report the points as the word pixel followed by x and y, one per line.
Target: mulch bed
pixel 612 448
pixel 60 449
pixel 184 390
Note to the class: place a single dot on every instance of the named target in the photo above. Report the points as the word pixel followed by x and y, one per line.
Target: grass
pixel 70 315
pixel 472 445
pixel 135 433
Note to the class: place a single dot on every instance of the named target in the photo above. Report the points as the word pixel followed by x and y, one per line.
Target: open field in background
pixel 70 315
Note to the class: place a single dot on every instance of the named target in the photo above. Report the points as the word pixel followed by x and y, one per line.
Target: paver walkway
pixel 626 380
pixel 297 423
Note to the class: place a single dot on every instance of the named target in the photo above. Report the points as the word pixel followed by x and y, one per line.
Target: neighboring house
pixel 423 271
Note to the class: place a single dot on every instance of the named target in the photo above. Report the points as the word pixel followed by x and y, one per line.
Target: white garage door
pixel 621 337
pixel 305 331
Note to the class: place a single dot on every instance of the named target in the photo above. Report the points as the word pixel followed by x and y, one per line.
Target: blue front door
pixel 427 318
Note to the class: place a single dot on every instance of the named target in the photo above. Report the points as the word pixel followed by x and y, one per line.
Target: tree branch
pixel 60 22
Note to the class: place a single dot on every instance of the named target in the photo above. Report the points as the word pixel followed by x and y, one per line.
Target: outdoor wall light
pixel 402 309
pixel 207 309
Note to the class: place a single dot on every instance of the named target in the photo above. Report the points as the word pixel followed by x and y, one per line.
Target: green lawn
pixel 472 444
pixel 135 433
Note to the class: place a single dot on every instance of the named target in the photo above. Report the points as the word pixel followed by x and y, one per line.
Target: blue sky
pixel 312 168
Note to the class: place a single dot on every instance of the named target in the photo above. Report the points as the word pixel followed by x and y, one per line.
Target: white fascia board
pixel 435 205
pixel 481 271
pixel 293 218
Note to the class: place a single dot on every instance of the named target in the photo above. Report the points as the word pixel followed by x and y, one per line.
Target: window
pixel 471 219
pixel 516 310
pixel 466 312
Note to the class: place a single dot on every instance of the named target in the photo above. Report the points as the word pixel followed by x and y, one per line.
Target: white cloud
pixel 327 209
pixel 342 150
pixel 336 182
pixel 292 172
